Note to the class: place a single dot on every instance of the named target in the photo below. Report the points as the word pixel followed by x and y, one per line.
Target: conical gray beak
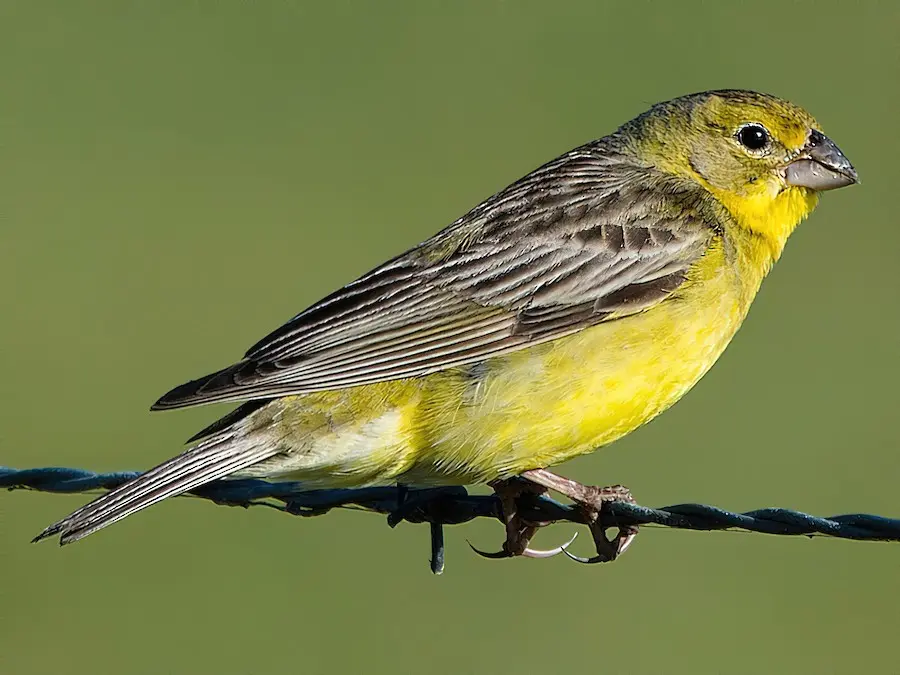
pixel 821 166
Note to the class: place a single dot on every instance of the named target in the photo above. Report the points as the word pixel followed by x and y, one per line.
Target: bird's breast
pixel 548 403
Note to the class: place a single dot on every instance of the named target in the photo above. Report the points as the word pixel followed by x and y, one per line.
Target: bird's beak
pixel 820 166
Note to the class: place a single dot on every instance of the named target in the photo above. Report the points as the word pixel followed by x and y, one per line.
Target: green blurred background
pixel 181 177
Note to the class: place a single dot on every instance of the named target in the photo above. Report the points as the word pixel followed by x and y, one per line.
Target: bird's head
pixel 763 158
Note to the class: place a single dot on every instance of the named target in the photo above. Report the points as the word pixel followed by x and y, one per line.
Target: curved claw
pixel 586 561
pixel 625 542
pixel 619 545
pixel 535 553
pixel 495 555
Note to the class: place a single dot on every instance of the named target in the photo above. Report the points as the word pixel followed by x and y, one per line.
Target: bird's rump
pixel 570 245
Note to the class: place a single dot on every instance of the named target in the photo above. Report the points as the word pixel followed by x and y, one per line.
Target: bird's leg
pixel 592 501
pixel 518 530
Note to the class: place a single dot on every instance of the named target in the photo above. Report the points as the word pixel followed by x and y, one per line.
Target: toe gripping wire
pixel 454 505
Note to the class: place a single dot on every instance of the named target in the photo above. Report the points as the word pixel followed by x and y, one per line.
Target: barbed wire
pixel 454 505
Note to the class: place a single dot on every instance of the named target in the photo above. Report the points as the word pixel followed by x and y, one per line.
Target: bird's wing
pixel 579 241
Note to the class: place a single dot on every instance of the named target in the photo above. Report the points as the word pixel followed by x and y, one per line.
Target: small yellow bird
pixel 552 319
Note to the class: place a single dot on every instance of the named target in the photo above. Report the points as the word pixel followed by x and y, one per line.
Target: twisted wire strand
pixel 454 505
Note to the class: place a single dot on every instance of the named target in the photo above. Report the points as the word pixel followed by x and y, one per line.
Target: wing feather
pixel 586 238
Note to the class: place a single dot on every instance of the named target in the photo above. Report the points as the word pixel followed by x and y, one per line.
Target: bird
pixel 555 317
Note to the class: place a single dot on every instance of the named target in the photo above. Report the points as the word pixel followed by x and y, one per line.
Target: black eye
pixel 753 137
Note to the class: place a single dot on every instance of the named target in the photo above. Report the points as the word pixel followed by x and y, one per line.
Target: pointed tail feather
pixel 213 459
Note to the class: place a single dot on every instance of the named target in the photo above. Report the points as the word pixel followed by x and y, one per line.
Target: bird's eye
pixel 754 137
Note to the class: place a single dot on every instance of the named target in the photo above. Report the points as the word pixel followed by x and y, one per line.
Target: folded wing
pixel 581 240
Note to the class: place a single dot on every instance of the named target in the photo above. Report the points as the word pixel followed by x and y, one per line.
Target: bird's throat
pixel 770 212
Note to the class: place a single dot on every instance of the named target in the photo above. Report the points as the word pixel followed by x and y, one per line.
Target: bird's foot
pixel 594 504
pixel 519 531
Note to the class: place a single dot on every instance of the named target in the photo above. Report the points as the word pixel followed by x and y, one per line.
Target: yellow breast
pixel 551 402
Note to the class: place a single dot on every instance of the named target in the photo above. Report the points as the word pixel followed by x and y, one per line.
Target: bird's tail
pixel 214 458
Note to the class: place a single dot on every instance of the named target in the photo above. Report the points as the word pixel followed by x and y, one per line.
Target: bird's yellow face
pixel 763 158
pixel 743 145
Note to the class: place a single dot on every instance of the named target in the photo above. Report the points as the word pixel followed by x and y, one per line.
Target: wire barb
pixel 454 505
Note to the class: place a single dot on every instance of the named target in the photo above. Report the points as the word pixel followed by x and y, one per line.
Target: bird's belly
pixel 532 408
pixel 549 403
pixel 334 439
